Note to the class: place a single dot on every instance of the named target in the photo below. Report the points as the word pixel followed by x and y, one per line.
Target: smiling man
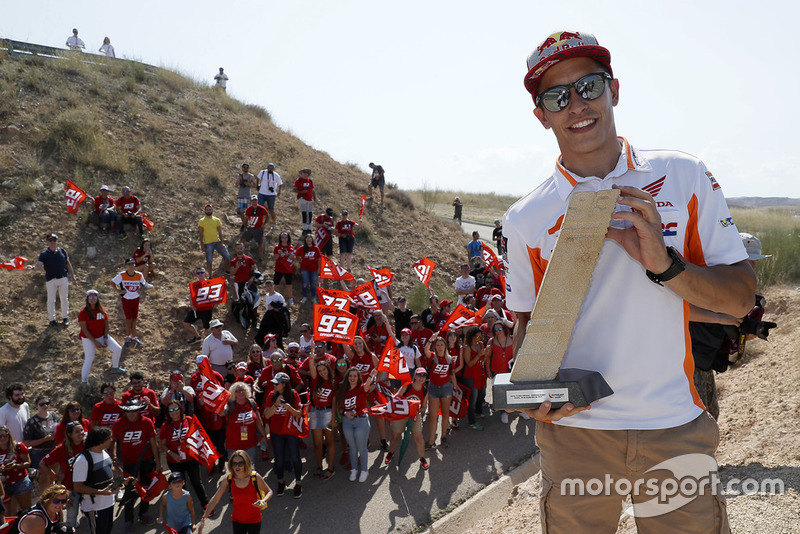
pixel 659 256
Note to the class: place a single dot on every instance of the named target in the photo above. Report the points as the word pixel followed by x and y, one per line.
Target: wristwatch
pixel 677 267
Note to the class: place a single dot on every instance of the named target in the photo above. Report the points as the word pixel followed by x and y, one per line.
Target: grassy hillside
pixel 178 146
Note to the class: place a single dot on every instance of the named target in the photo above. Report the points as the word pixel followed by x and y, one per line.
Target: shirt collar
pixel 629 159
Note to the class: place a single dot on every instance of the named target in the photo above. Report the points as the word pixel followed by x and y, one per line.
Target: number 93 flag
pixel 333 324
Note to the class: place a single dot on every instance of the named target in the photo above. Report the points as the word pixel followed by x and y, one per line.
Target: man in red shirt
pixel 213 423
pixel 378 333
pixel 201 312
pixel 109 410
pixel 241 268
pixel 103 213
pixel 319 356
pixel 486 292
pixel 144 396
pixel 255 216
pixel 128 208
pixel 306 197
pixel 419 334
pixel 325 220
pixel 137 448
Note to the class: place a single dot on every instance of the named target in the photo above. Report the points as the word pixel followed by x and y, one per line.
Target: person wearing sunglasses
pixel 40 429
pixel 73 411
pixel 56 467
pixel 668 247
pixel 171 437
pixel 93 320
pixel 45 517
pixel 14 464
pixel 249 493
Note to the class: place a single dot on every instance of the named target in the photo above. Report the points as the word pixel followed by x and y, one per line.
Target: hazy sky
pixel 433 90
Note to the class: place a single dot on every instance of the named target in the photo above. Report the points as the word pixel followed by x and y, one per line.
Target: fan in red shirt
pixel 244 428
pixel 255 216
pixel 320 355
pixel 326 220
pixel 241 269
pixel 283 253
pixel 56 467
pixel 104 209
pixel 72 412
pixel 486 292
pixel 416 390
pixel 279 405
pixel 213 423
pixel 347 239
pixel 143 258
pixel 310 256
pixel 128 207
pixel 14 462
pixel 443 368
pixel 142 395
pixel 320 420
pixel 109 410
pixel 474 377
pixel 355 423
pixel 240 375
pixel 137 448
pixel 306 197
pixel 365 361
pixel 171 436
pixel 419 334
pixel 378 333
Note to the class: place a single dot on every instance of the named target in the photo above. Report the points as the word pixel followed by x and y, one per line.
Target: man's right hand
pixel 545 412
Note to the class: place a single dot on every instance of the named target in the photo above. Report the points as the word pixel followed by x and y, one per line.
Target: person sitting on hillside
pixel 457 207
pixel 277 321
pixel 143 258
pixel 128 208
pixel 102 213
pixel 255 216
pixel 74 42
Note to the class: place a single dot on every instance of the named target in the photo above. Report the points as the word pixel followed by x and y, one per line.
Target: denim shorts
pixel 268 199
pixel 20 487
pixel 440 392
pixel 319 418
pixel 219 247
pixel 346 245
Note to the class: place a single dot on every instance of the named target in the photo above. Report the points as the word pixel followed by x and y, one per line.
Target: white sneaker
pixel 504 418
pixel 524 415
pixel 363 477
pixel 353 475
pixel 303 300
pixel 291 302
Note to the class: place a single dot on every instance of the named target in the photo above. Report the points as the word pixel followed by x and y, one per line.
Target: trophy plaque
pixel 537 376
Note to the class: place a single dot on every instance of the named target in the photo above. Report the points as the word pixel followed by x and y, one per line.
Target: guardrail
pixel 30 49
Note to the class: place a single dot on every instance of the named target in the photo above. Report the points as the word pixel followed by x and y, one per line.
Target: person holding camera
pixel 718 339
pixel 269 189
pixel 281 403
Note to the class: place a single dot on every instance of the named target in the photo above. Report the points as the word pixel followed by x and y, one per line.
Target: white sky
pixel 432 90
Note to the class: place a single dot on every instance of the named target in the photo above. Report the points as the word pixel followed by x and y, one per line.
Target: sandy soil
pixel 759 429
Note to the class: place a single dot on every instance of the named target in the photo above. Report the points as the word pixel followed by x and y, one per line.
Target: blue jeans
pixel 108 217
pixel 219 247
pixel 137 220
pixel 476 399
pixel 286 447
pixel 309 283
pixel 356 432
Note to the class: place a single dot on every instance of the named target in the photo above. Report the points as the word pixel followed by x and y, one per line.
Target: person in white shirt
pixel 96 487
pixel 218 346
pixel 74 42
pixel 271 295
pixel 269 189
pixel 222 79
pixel 465 284
pixel 15 413
pixel 107 49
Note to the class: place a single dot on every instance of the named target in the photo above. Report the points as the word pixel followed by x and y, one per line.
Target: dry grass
pixel 478 207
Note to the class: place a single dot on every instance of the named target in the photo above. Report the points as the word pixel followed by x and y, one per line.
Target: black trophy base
pixel 576 386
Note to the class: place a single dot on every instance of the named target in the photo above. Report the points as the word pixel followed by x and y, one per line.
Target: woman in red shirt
pixel 355 423
pixel 310 256
pixel 440 392
pixel 249 495
pixel 473 377
pixel 93 320
pixel 73 411
pixel 320 419
pixel 454 350
pixel 306 197
pixel 244 429
pixel 171 436
pixel 416 390
pixel 283 253
pixel 365 361
pixel 56 467
pixel 14 464
pixel 143 258
pixel 347 239
pixel 282 403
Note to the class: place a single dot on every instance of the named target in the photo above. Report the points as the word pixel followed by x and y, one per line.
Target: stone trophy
pixel 536 375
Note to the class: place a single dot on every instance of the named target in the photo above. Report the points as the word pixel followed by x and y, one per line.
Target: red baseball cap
pixel 559 46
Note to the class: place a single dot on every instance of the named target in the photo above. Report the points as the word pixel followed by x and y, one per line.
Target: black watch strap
pixel 677 267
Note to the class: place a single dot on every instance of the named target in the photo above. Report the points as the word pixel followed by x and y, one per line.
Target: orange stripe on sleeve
pixel 688 359
pixel 692 247
pixel 538 265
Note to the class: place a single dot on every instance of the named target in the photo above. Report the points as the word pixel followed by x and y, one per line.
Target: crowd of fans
pixel 135 436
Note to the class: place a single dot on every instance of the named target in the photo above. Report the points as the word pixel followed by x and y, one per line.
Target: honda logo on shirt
pixel 669 229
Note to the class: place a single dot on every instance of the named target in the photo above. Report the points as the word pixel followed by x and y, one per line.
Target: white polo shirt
pixel 631 330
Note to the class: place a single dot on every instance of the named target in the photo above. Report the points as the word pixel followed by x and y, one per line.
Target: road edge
pixel 487 501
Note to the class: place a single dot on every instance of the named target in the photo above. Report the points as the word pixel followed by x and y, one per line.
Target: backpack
pixel 253 479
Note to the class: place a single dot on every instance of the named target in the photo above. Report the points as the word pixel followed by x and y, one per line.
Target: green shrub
pixel 75 135
pixel 8 98
pixel 402 198
pixel 430 196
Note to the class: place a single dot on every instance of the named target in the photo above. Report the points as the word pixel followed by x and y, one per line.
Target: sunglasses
pixel 238 464
pixel 60 501
pixel 75 409
pixel 44 403
pixel 175 409
pixel 109 391
pixel 588 87
pixel 255 352
pixel 341 364
pixel 75 423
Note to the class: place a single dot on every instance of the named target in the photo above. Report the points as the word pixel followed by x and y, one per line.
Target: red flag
pixel 489 256
pixel 215 396
pixel 460 316
pixel 329 270
pixel 396 408
pixel 424 270
pixel 334 297
pixel 383 277
pixel 169 529
pixel 158 484
pixel 394 363
pixel 381 394
pixel 198 445
pixel 364 296
pixel 17 263
pixel 459 402
pixel 147 223
pixel 210 292
pixel 502 282
pixel 75 195
pixel 321 236
pixel 333 324
pixel 363 205
pixel 297 426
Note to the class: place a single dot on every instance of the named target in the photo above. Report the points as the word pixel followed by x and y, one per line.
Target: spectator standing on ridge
pixel 211 239
pixel 306 197
pixel 269 189
pixel 497 235
pixel 107 49
pixel 378 180
pixel 647 279
pixel 457 207
pixel 15 413
pixel 128 208
pixel 129 284
pixel 255 217
pixel 57 268
pixel 103 212
pixel 222 79
pixel 74 42
pixel 244 181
